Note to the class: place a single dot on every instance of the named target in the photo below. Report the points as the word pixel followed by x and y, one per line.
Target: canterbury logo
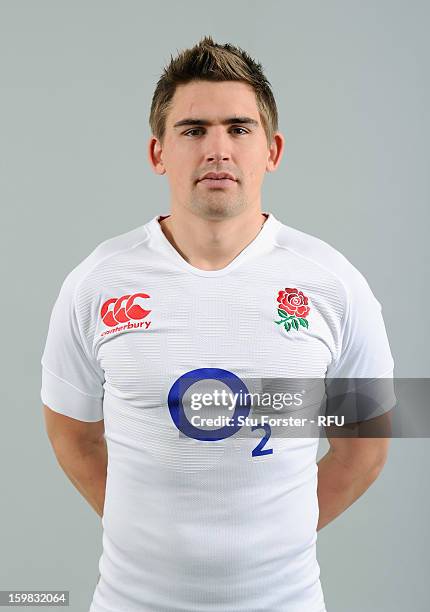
pixel 123 309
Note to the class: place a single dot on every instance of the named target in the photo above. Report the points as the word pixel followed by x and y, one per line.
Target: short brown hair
pixel 209 61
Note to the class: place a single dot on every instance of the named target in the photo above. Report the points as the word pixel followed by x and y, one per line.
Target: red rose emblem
pixel 293 309
pixel 293 302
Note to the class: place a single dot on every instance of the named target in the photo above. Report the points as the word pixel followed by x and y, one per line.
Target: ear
pixel 155 155
pixel 276 150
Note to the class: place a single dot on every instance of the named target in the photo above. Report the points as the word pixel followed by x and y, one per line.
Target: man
pixel 225 518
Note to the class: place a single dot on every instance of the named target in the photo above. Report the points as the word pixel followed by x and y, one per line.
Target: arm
pixel 348 469
pixel 80 448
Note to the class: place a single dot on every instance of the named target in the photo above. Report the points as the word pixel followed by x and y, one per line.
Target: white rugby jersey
pixel 217 522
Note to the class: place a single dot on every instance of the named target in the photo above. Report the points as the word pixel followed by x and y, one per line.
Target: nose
pixel 217 145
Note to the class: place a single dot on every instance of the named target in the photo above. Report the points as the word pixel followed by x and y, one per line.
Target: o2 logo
pixel 176 408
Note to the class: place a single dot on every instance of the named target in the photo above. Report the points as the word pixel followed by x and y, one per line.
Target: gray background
pixel 351 82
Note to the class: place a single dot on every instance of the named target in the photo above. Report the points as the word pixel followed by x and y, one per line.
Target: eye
pixel 193 130
pixel 240 128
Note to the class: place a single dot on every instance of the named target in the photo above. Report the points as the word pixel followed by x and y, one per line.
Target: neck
pixel 211 244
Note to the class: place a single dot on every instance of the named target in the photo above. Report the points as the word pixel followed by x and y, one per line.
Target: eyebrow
pixel 228 121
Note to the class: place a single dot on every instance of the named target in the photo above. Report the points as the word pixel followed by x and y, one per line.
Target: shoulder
pixel 324 258
pixel 103 256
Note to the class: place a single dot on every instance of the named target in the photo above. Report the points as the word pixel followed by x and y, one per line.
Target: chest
pixel 157 330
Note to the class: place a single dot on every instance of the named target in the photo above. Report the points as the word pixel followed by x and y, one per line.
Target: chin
pixel 217 208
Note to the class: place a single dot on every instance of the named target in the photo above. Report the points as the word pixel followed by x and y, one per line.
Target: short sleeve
pixel 72 380
pixel 363 368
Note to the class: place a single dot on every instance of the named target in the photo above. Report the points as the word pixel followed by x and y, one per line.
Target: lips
pixel 219 183
pixel 217 176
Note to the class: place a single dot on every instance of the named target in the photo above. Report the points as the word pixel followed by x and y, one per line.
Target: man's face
pixel 207 143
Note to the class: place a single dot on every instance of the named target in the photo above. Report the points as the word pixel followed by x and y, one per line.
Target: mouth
pixel 217 183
